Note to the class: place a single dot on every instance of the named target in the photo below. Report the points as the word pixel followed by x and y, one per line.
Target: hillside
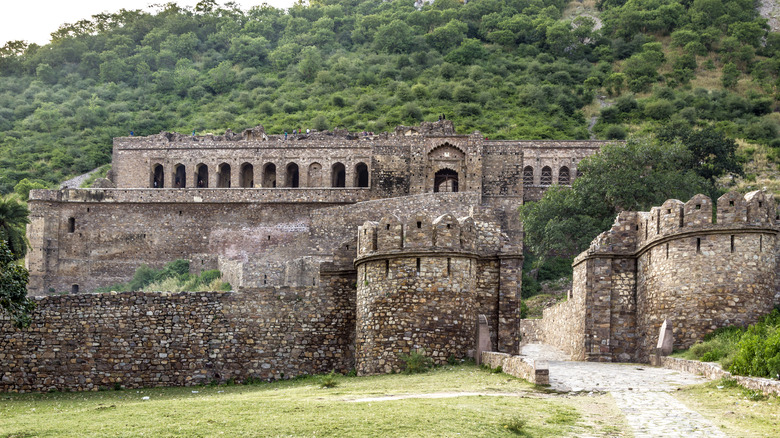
pixel 509 68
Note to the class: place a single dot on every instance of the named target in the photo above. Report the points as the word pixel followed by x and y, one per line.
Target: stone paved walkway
pixel 640 391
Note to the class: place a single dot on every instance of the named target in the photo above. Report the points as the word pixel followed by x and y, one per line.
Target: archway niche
pixel 338 175
pixel 223 176
pixel 269 175
pixel 179 176
pixel 292 177
pixel 246 177
pixel 158 176
pixel 202 176
pixel 563 176
pixel 528 176
pixel 446 180
pixel 314 178
pixel 361 175
pixel 546 176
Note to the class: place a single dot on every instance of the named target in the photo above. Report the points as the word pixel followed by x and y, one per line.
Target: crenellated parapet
pixel 697 265
pixel 634 232
pixel 422 282
pixel 419 234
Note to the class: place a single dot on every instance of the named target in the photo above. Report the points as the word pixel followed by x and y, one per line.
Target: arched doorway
pixel 158 176
pixel 563 176
pixel 361 175
pixel 223 176
pixel 246 177
pixel 546 179
pixel 202 176
pixel 292 176
pixel 269 175
pixel 338 176
pixel 179 176
pixel 528 176
pixel 446 180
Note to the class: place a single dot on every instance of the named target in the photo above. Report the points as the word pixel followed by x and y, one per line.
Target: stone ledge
pixel 536 372
pixel 713 371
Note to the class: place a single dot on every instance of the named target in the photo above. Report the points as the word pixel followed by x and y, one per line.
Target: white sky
pixel 34 20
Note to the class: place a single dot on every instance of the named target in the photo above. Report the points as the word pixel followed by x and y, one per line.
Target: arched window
pixel 563 176
pixel 361 175
pixel 338 175
pixel 179 176
pixel 291 177
pixel 528 176
pixel 223 176
pixel 202 176
pixel 246 176
pixel 269 175
pixel 158 176
pixel 546 176
pixel 315 175
pixel 445 180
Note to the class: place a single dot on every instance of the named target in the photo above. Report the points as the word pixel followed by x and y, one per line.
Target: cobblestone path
pixel 641 392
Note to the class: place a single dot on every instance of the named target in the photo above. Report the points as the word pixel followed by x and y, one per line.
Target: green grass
pixel 302 408
pixel 736 411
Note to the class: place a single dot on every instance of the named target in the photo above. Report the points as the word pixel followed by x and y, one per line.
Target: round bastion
pixel 416 291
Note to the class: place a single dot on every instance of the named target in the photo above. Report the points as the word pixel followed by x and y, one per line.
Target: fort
pixel 348 250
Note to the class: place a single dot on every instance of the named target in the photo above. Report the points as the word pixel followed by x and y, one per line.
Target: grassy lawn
pixel 505 406
pixel 737 411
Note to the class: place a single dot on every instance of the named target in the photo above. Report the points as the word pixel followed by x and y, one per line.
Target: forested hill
pixel 509 68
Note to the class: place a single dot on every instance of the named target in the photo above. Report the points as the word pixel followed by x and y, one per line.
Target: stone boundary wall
pixel 147 339
pixel 713 371
pixel 536 372
pixel 531 331
pixel 320 195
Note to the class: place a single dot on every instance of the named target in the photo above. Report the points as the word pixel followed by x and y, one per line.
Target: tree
pixel 13 288
pixel 394 37
pixel 712 153
pixel 13 219
pixel 633 176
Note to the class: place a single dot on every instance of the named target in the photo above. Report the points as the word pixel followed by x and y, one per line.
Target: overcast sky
pixel 34 20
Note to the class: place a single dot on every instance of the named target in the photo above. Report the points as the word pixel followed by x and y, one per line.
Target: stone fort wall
pixel 135 339
pixel 676 262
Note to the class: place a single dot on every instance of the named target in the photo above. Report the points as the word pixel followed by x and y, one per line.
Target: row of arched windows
pixel 546 179
pixel 313 176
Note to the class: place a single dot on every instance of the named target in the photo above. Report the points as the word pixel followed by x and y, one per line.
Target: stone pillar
pixel 510 282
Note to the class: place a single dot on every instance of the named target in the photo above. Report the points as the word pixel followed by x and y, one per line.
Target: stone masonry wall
pixel 673 263
pixel 134 339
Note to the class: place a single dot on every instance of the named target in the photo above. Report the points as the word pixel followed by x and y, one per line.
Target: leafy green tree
pixel 23 187
pixel 310 63
pixel 712 153
pixel 448 36
pixel 394 37
pixel 13 220
pixel 730 75
pixel 633 176
pixel 13 288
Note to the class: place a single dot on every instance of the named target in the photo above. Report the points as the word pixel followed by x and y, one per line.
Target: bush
pixel 615 132
pixel 416 362
pixel 329 380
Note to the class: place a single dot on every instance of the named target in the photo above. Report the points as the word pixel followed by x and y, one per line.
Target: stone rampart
pixel 135 339
pixel 676 262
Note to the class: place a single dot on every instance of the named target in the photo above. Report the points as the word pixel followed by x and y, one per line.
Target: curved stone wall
pixel 416 291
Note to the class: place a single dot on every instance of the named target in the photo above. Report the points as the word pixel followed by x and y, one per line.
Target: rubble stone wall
pixel 677 263
pixel 135 339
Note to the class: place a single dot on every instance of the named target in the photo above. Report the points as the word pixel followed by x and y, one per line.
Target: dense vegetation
pixel 751 351
pixel 173 277
pixel 509 68
pixel 13 247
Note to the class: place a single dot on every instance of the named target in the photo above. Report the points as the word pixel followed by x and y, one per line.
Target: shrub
pixel 515 425
pixel 329 380
pixel 615 132
pixel 416 362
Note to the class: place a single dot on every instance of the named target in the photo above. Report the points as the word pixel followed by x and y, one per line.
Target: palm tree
pixel 13 219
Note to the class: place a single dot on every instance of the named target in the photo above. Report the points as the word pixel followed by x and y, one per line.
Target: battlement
pixel 442 234
pixel 634 231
